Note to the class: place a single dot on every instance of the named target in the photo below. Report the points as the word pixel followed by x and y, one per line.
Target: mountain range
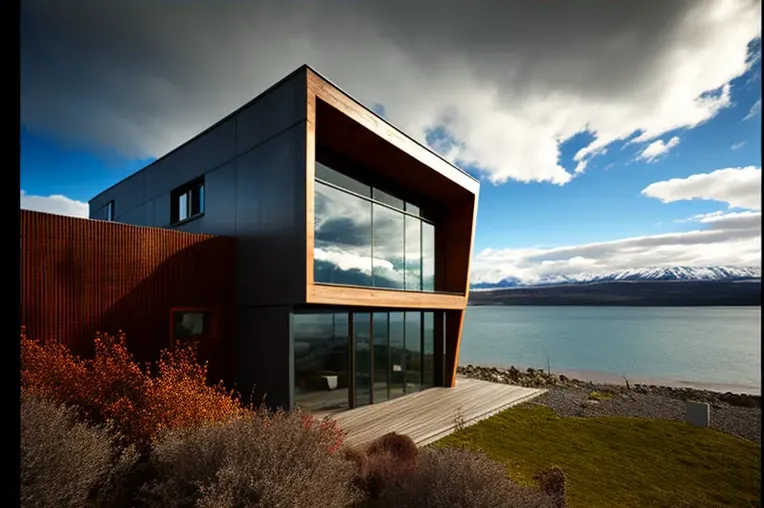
pixel 664 273
pixel 664 286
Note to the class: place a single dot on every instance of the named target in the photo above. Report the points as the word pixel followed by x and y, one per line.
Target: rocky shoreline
pixel 538 378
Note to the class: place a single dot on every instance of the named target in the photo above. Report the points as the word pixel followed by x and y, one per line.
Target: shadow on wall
pixel 80 277
pixel 199 277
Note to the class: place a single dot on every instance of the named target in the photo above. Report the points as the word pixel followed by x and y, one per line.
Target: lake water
pixel 707 347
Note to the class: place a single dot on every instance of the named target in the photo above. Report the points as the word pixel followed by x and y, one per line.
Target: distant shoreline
pixel 628 293
pixel 607 378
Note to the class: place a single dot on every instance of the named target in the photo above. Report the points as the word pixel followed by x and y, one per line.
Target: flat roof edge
pixel 262 94
pixel 388 122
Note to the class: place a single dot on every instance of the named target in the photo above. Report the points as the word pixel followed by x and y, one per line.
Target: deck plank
pixel 430 415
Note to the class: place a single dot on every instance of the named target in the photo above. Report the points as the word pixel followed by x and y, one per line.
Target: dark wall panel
pixel 263 355
pixel 208 151
pixel 273 112
pixel 135 216
pixel 127 195
pixel 148 210
pixel 161 210
pixel 271 221
pixel 220 200
pixel 80 276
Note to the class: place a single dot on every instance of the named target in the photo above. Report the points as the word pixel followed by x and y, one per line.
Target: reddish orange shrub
pixel 327 427
pixel 51 372
pixel 113 387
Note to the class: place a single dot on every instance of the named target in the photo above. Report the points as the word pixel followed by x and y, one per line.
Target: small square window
pixel 190 324
pixel 187 201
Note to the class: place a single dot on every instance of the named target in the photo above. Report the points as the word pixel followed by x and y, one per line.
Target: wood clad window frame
pixel 415 166
pixel 453 249
pixel 210 325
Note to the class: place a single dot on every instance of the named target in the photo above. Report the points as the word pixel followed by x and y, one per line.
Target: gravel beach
pixel 735 414
pixel 743 422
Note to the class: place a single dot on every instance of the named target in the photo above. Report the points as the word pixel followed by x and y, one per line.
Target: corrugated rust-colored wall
pixel 79 276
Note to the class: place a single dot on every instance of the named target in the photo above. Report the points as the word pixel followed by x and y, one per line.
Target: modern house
pixel 353 244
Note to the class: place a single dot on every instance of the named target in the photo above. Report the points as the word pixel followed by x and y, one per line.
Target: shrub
pixel 552 482
pixel 112 387
pixel 49 370
pixel 65 462
pixel 457 477
pixel 259 460
pixel 384 461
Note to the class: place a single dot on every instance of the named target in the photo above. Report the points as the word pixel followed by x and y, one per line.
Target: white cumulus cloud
pixel 736 243
pixel 738 187
pixel 657 149
pixel 722 237
pixel 55 203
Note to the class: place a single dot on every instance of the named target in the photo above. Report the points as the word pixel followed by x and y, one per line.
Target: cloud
pixel 755 110
pixel 506 82
pixel 656 149
pixel 738 187
pixel 55 203
pixel 737 146
pixel 721 239
pixel 722 220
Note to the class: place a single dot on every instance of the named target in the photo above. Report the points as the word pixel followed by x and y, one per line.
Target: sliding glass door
pixel 362 361
pixel 381 356
pixel 352 359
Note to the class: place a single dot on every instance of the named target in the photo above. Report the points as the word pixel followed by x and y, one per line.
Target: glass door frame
pixel 352 362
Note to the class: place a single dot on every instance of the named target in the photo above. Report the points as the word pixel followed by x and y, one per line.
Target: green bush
pixel 460 478
pixel 66 462
pixel 259 460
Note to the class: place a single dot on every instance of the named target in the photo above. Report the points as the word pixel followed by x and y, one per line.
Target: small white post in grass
pixel 698 414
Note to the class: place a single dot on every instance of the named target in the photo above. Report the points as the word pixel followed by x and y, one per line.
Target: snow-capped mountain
pixel 663 273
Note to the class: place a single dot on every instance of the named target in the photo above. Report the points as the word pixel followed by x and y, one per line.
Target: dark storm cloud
pixel 508 80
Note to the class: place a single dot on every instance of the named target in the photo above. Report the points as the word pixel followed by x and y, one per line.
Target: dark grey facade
pixel 258 176
pixel 253 166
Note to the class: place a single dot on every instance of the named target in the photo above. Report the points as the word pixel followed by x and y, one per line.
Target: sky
pixel 606 135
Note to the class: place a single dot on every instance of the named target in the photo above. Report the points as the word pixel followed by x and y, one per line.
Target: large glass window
pixel 367 237
pixel 362 366
pixel 428 257
pixel 343 250
pixel 413 254
pixel 381 341
pixel 388 354
pixel 413 351
pixel 397 355
pixel 321 365
pixel 388 247
pixel 428 349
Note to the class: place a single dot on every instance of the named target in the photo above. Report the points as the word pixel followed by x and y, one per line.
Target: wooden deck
pixel 431 414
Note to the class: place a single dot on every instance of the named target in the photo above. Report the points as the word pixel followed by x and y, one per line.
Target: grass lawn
pixel 622 462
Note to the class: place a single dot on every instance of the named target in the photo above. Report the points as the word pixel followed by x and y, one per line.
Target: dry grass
pixel 259 460
pixel 65 462
pixel 461 478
